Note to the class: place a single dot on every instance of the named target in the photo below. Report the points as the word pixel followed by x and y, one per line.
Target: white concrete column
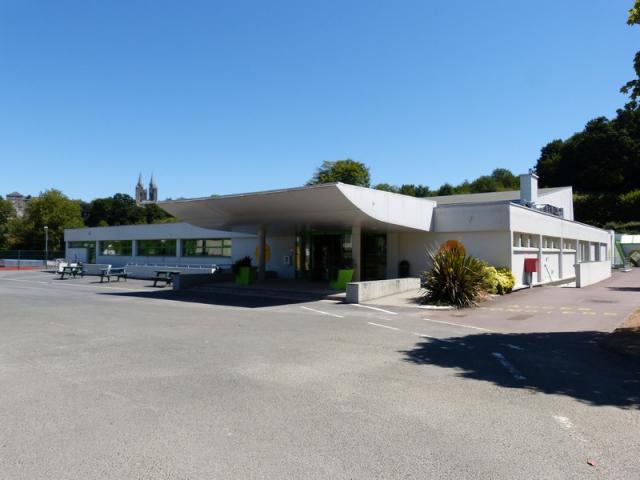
pixel 98 251
pixel 539 258
pixel 392 255
pixel 134 248
pixel 560 265
pixel 356 247
pixel 178 248
pixel 262 252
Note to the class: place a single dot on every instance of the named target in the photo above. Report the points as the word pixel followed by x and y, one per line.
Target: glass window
pixel 550 242
pixel 212 247
pixel 517 239
pixel 82 244
pixel 116 247
pixel 157 248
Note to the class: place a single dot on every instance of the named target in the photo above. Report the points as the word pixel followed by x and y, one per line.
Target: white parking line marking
pixel 373 308
pixel 383 326
pixel 510 368
pixel 323 313
pixel 456 324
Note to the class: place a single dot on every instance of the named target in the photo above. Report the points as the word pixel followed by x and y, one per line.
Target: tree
pixel 445 189
pixel 483 184
pixel 632 88
pixel 53 209
pixel 386 187
pixel 154 214
pixel 120 209
pixel 603 157
pixel 345 171
pixel 6 214
pixel 505 180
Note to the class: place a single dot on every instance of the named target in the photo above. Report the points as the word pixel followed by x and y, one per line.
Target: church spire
pixel 153 190
pixel 141 192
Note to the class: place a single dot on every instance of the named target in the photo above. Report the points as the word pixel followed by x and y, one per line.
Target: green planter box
pixel 344 277
pixel 245 275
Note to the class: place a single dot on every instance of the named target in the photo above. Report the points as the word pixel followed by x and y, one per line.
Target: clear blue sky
pixel 231 96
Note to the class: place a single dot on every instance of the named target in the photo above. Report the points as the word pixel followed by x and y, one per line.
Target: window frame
pixel 201 249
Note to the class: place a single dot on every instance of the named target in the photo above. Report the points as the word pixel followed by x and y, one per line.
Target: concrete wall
pixel 550 267
pixel 588 273
pixel 493 247
pixel 569 260
pixel 558 263
pixel 560 198
pixel 358 292
pixel 471 218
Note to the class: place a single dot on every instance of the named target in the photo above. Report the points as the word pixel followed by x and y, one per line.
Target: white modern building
pixel 310 232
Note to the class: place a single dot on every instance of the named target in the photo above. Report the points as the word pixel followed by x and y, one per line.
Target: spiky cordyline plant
pixel 454 279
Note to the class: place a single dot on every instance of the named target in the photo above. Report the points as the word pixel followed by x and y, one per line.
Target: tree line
pixel 357 173
pixel 58 212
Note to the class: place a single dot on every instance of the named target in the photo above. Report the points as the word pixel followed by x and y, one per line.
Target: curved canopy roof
pixel 334 205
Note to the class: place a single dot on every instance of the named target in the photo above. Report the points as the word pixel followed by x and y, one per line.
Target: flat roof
pixel 336 205
pixel 490 197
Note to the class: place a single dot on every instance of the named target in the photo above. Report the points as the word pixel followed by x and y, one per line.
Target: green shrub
pixel 454 278
pixel 506 281
pixel 241 262
pixel 490 279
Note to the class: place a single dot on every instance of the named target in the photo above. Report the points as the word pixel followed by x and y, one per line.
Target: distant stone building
pixel 19 202
pixel 144 195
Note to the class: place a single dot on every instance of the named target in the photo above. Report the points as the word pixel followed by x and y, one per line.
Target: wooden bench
pixel 165 276
pixel 113 272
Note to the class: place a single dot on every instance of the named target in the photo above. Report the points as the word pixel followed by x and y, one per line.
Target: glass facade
pixel 90 246
pixel 212 247
pixel 116 248
pixel 319 254
pixel 157 248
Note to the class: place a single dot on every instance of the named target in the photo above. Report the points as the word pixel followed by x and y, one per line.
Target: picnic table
pixel 165 276
pixel 113 272
pixel 71 270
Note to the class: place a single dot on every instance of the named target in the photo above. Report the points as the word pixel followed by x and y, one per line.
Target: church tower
pixel 153 190
pixel 141 193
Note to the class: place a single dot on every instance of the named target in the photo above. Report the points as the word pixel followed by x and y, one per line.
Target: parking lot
pixel 122 380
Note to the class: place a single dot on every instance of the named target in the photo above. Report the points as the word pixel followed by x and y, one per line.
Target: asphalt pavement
pixel 121 380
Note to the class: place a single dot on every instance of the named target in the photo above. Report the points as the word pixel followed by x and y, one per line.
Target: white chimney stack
pixel 529 188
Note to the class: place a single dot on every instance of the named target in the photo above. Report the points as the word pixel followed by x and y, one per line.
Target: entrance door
pixel 374 256
pixel 327 254
pixel 320 254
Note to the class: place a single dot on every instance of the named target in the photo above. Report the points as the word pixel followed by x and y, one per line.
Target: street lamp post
pixel 46 244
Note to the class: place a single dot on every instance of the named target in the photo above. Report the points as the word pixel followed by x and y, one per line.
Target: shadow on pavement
pixel 625 289
pixel 572 364
pixel 220 299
